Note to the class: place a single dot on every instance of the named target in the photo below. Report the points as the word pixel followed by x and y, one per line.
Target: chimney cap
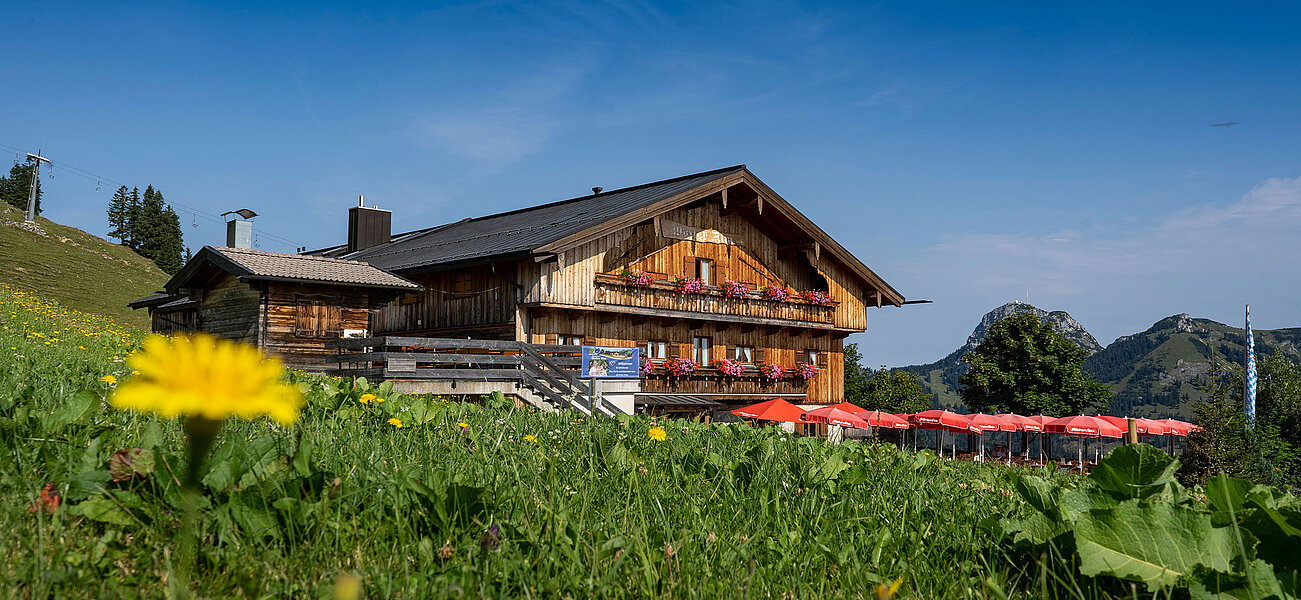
pixel 243 212
pixel 596 190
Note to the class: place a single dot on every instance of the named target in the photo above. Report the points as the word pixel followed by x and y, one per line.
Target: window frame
pixel 705 270
pixel 657 349
pixel 701 348
pixel 748 351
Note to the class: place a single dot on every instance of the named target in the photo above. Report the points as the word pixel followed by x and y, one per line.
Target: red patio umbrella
pixel 771 410
pixel 942 420
pixel 1177 427
pixel 1042 421
pixel 991 423
pixel 887 420
pixel 1085 427
pixel 834 416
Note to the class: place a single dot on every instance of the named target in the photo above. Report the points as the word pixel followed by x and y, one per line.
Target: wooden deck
pixel 550 370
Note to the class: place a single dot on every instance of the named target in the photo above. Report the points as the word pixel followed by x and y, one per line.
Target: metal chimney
pixel 239 231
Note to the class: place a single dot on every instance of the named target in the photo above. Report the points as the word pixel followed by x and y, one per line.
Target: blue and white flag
pixel 1249 383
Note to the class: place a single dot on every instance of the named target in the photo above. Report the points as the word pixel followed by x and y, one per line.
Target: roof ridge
pixel 224 249
pixel 603 193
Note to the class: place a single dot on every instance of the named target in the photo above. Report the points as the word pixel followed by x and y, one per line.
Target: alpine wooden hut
pixel 713 270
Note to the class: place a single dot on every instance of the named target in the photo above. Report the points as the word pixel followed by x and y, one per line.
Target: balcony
pixel 708 380
pixel 660 299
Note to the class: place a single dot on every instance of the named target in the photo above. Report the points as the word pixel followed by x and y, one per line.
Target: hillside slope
pixel 77 269
pixel 1156 372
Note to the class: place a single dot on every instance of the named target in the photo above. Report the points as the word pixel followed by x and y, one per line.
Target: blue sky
pixel 969 153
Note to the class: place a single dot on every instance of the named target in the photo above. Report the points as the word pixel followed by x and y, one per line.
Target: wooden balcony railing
pixel 710 380
pixel 660 296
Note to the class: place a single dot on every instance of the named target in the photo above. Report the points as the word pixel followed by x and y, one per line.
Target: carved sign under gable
pixel 678 231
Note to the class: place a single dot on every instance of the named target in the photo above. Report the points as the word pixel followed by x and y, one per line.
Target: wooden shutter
pixel 824 359
pixel 802 357
pixel 304 318
pixel 645 353
pixel 689 266
pixel 550 338
pixel 760 356
pixel 718 351
pixel 330 319
pixel 675 350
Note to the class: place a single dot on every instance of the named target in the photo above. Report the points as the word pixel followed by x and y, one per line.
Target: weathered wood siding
pixel 472 299
pixel 752 258
pixel 785 346
pixel 229 309
pixel 295 347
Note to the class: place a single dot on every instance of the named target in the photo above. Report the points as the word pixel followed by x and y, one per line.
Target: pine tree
pixel 132 220
pixel 17 187
pixel 119 227
pixel 149 225
pixel 171 246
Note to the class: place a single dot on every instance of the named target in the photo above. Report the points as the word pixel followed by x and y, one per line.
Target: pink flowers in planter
pixel 647 367
pixel 688 286
pixel 680 367
pixel 772 371
pixel 807 371
pixel 728 366
pixel 775 294
pixel 817 297
pixel 635 277
pixel 735 289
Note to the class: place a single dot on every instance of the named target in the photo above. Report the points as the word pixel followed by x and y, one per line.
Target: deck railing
pixel 660 296
pixel 549 369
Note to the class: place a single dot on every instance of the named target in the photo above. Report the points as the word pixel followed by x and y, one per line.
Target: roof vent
pixel 239 232
pixel 596 190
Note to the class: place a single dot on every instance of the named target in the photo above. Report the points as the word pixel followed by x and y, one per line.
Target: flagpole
pixel 1249 373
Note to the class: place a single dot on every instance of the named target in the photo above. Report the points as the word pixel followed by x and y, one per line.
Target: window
pixel 700 350
pixel 745 354
pixel 462 284
pixel 811 357
pixel 570 340
pixel 657 350
pixel 318 317
pixel 705 270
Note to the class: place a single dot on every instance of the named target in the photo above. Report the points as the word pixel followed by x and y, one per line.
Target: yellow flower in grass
pixel 462 425
pixel 109 379
pixel 396 422
pixel 530 438
pixel 366 398
pixel 208 378
pixel 658 434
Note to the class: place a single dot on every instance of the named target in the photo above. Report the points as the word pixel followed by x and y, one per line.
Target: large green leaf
pixel 1227 497
pixel 1258 583
pixel 1137 471
pixel 1155 543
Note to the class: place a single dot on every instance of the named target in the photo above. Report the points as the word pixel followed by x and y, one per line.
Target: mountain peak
pixel 1061 321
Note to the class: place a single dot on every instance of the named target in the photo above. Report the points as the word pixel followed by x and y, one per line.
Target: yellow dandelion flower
pixel 462 425
pixel 206 377
pixel 396 422
pixel 884 592
pixel 109 379
pixel 658 434
pixel 366 398
pixel 530 438
pixel 378 400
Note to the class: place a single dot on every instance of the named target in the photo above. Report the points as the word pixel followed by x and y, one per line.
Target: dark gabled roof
pixel 520 232
pixel 274 266
pixel 154 299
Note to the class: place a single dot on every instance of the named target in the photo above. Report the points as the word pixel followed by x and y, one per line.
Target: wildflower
pixel 379 400
pixel 657 433
pixel 490 539
pixel 463 425
pixel 366 398
pixel 530 438
pixel 208 378
pixel 396 422
pixel 447 550
pixel 48 501
pixel 109 379
pixel 884 592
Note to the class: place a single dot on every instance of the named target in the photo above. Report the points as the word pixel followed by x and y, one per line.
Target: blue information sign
pixel 611 363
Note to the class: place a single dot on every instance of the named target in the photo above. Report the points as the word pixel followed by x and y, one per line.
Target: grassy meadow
pixel 417 497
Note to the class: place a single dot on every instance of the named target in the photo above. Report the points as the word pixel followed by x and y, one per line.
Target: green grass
pixel 592 508
pixel 75 268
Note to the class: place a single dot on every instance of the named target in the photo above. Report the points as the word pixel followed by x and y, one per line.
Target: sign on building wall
pixel 611 363
pixel 678 231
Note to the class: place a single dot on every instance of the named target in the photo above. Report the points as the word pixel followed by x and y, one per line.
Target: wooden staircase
pixel 543 375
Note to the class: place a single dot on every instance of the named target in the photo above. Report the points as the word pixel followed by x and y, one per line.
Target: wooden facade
pixel 577 296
